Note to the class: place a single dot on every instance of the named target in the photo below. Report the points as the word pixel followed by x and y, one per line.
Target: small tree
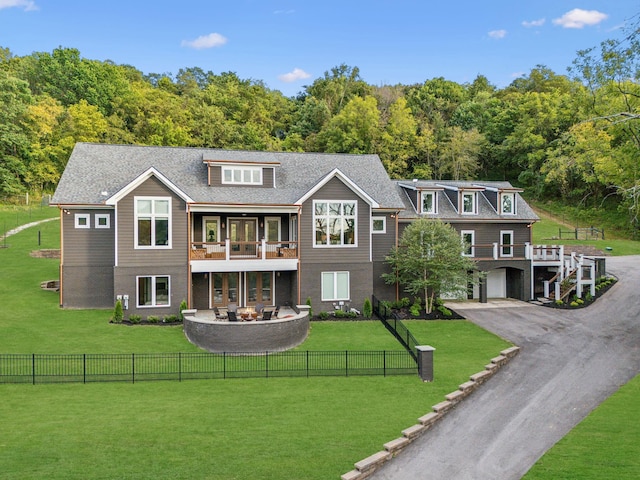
pixel 429 260
pixel 118 314
pixel 183 306
pixel 367 309
pixel 310 309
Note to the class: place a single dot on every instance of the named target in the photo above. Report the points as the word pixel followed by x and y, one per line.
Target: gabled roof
pixel 448 213
pixel 97 172
pixel 336 173
pixel 140 179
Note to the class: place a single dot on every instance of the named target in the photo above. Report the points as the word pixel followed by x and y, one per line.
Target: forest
pixel 573 137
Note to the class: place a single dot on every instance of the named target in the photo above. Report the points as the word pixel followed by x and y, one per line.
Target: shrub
pixel 574 304
pixel 367 309
pixel 118 315
pixel 153 319
pixel 170 318
pixel 339 314
pixel 323 315
pixel 445 311
pixel 310 309
pixel 183 306
pixel 559 302
pixel 588 297
pixel 416 308
pixel 579 301
pixel 135 318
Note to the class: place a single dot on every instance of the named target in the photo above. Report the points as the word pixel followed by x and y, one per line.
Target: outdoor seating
pixel 218 313
pixel 259 308
pixel 232 307
pixel 232 316
pixel 276 311
pixel 267 315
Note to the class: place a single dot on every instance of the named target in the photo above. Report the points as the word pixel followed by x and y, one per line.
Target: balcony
pixel 231 256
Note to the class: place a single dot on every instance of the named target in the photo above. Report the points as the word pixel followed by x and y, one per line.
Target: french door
pixel 259 288
pixel 224 289
pixel 243 234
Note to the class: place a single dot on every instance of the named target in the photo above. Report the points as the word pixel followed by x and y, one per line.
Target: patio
pixel 216 334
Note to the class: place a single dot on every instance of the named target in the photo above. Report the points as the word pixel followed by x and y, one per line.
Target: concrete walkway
pixel 570 362
pixel 25 226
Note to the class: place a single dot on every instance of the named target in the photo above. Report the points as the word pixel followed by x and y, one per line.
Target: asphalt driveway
pixel 570 361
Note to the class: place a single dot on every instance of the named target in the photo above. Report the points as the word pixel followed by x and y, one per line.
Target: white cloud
pixel 296 74
pixel 578 18
pixel 498 34
pixel 27 4
pixel 534 23
pixel 204 41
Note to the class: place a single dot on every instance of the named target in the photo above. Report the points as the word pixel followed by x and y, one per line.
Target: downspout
pixel 299 253
pixel 61 256
pixel 396 246
pixel 189 279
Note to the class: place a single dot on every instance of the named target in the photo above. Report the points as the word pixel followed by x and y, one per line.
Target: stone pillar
pixel 483 290
pixel 425 362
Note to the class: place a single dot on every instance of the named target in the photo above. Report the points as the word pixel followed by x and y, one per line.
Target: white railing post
pixel 528 254
pixel 264 249
pixel 495 251
pixel 227 249
pixel 557 290
pixel 545 283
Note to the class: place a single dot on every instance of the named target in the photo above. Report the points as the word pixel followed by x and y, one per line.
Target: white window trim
pixel 355 225
pixel 266 228
pixel 503 245
pixel 153 230
pixel 100 216
pixel 242 170
pixel 334 295
pixel 473 241
pixel 204 223
pixel 474 196
pixel 435 202
pixel 513 203
pixel 384 225
pixel 80 216
pixel 153 291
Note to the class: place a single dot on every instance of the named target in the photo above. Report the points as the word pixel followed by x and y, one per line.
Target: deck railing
pixel 91 368
pixel 229 250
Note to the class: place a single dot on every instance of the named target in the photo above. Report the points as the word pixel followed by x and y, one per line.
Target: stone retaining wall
pixel 366 467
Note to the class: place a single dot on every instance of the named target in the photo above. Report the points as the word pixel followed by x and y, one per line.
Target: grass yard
pixel 545 232
pixel 604 445
pixel 303 428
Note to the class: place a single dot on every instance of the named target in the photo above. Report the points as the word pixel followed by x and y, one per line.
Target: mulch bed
pixel 567 305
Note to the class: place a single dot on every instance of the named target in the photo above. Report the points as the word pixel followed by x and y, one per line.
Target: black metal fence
pixel 396 327
pixel 90 368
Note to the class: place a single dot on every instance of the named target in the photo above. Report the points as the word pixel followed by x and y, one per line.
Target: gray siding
pixel 87 261
pixel 128 255
pixel 215 177
pixel 334 190
pixel 125 284
pixel 360 276
pixel 384 242
pixel 87 287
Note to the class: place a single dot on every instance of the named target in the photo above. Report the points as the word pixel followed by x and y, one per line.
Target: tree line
pixel 573 137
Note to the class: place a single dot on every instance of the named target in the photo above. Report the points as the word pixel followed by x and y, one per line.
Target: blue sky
pixel 289 43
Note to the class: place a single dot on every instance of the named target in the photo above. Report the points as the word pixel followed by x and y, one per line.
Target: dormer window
pixel 508 204
pixel 429 202
pixel 235 175
pixel 469 203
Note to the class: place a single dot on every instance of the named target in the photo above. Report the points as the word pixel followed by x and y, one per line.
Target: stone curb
pixel 365 468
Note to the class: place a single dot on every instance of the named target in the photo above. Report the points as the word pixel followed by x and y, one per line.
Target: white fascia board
pixel 140 179
pixel 346 180
pixel 241 208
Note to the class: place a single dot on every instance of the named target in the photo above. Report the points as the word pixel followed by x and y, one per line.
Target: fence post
pixel 266 364
pixel 133 368
pixel 84 368
pixel 179 366
pixel 425 362
pixel 384 363
pixel 307 363
pixel 33 368
pixel 346 363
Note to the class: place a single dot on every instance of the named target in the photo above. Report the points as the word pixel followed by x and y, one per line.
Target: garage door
pixel 497 283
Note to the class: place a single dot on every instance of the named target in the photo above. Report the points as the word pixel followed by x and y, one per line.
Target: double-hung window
pixel 506 243
pixel 154 291
pixel 469 203
pixel 153 222
pixel 334 223
pixel 468 240
pixel 508 204
pixel 335 286
pixel 428 204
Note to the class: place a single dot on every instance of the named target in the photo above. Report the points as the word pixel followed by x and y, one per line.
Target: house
pixel 154 226
pixel 494 223
pixel 157 225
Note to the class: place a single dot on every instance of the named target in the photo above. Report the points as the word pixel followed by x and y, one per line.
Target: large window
pixel 153 222
pixel 468 241
pixel 506 243
pixel 428 203
pixel 508 204
pixel 153 291
pixel 242 175
pixel 335 286
pixel 334 223
pixel 469 203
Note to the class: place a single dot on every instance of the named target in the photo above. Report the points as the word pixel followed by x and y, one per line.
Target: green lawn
pixel 545 232
pixel 605 445
pixel 303 428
